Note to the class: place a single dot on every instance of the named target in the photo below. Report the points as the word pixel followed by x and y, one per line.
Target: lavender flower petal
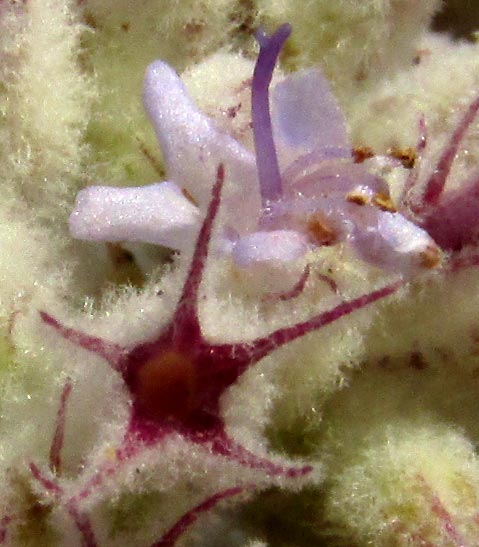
pixel 274 260
pixel 277 246
pixel 390 241
pixel 192 147
pixel 335 177
pixel 312 159
pixel 159 213
pixel 306 116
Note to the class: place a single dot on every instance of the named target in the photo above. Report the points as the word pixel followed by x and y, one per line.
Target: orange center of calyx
pixel 166 386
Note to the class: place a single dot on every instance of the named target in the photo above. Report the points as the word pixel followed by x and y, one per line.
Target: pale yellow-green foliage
pixel 439 87
pixel 406 407
pixel 43 102
pixel 414 482
pixel 400 432
pixel 438 320
pixel 124 40
pixel 352 40
pixel 33 261
pixel 224 96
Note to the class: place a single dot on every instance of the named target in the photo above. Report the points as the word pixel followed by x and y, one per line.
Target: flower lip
pixel 159 213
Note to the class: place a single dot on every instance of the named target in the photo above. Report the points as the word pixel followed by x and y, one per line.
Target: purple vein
pixel 57 443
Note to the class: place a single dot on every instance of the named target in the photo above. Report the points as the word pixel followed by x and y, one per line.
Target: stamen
pixel 84 526
pixel 411 181
pixel 443 515
pixel 261 347
pixel 225 446
pixel 266 157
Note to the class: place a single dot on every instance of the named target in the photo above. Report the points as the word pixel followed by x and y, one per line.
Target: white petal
pixel 336 177
pixel 158 213
pixel 275 246
pixel 322 221
pixel 271 261
pixel 390 241
pixel 193 147
pixel 306 116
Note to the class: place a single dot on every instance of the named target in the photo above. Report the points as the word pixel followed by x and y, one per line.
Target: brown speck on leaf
pixel 416 60
pixel 193 28
pixel 126 270
pixel 361 74
pixel 243 18
pixel 361 153
pixel 475 335
pixel 125 27
pixel 420 54
pixel 90 20
pixel 154 161
pixel 444 354
pixel 233 110
pixel 119 255
pixel 417 361
pixel 385 362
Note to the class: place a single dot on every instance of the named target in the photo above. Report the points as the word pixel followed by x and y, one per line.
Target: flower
pixel 301 189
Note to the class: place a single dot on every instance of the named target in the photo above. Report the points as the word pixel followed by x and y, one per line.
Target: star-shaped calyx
pixel 176 380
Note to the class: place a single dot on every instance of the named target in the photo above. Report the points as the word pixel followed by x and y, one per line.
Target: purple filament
pixel 50 485
pixel 295 291
pixel 84 526
pixel 413 175
pixel 437 181
pixel 266 157
pixel 57 443
pixel 4 522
